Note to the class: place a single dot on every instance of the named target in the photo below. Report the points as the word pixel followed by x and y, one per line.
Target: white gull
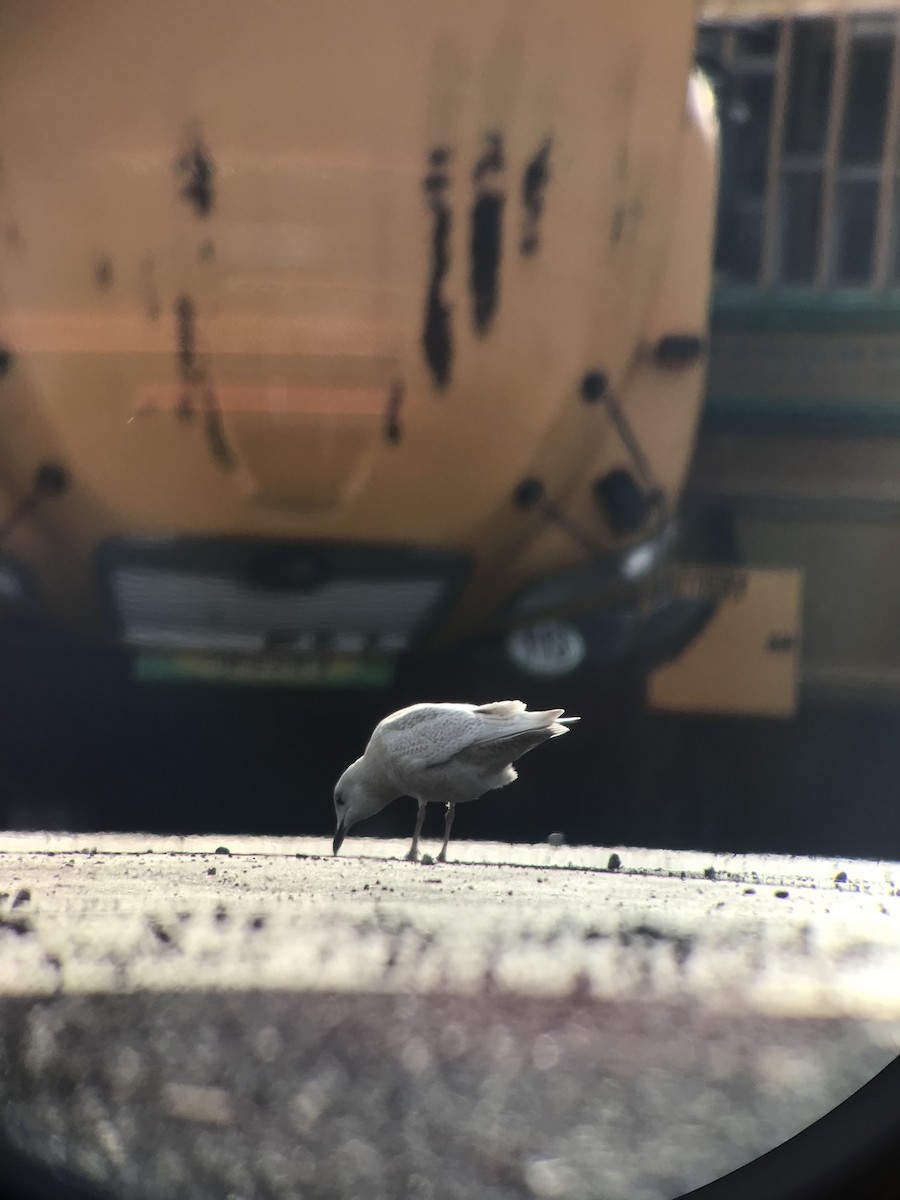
pixel 440 754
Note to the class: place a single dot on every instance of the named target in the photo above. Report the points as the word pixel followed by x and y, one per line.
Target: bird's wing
pixel 417 737
pixel 490 757
pixel 426 735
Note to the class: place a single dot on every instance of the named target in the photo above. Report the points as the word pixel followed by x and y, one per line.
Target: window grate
pixel 810 112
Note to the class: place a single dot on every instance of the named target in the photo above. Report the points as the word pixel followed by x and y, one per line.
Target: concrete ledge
pixel 524 1021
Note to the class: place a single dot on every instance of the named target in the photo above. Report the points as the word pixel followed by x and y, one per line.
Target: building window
pixel 809 110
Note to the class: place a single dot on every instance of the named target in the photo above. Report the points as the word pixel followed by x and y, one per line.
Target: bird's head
pixel 355 796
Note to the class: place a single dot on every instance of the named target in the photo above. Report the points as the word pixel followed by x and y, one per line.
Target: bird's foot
pixel 411 855
pixel 442 856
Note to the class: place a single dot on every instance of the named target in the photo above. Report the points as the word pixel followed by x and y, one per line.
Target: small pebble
pixel 709 873
pixel 427 860
pixel 222 850
pixel 749 891
pixel 841 877
pixel 22 896
pixel 614 863
pixel 557 839
pixel 782 894
pixel 211 870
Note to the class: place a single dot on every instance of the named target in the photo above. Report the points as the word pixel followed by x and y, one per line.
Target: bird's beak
pixel 340 834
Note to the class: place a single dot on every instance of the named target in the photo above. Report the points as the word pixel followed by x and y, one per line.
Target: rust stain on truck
pixel 437 335
pixel 535 178
pixel 486 238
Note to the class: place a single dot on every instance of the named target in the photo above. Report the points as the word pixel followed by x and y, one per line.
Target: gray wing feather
pixel 427 735
pixel 499 752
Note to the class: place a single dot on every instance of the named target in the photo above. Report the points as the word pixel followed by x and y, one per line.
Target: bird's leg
pixel 420 817
pixel 448 821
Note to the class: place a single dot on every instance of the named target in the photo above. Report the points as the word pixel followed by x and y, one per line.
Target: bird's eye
pixel 339 800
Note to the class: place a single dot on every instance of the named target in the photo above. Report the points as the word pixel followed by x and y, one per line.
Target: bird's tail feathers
pixel 502 708
pixel 551 719
pixel 561 725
